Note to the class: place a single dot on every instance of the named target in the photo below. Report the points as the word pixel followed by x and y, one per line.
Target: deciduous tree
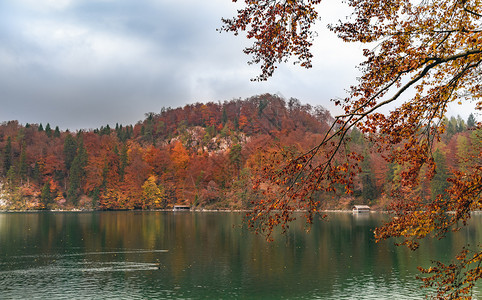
pixel 152 193
pixel 7 156
pixel 428 51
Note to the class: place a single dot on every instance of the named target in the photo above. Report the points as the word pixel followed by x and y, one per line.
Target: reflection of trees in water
pixel 213 250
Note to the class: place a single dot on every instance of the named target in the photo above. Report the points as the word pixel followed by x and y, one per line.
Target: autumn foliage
pixel 240 154
pixel 420 57
pixel 207 155
pixel 198 155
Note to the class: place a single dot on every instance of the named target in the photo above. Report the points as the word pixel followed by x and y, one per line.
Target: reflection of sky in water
pixel 138 255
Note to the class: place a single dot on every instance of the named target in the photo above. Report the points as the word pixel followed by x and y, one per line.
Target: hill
pixel 205 155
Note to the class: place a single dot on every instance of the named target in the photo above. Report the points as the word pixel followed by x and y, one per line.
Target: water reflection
pixel 207 255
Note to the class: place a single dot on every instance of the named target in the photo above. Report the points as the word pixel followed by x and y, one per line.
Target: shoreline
pixel 168 210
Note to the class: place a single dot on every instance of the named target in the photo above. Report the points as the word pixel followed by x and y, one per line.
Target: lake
pixel 204 255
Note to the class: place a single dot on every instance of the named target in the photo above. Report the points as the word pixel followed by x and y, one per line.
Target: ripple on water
pixel 65 276
pixel 368 287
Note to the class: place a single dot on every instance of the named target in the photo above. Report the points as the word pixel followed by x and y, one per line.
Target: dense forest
pixel 204 155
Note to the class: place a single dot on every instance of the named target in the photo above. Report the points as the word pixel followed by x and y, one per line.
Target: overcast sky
pixel 86 63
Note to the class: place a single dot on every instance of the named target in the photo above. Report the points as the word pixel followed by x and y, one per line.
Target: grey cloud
pixel 96 62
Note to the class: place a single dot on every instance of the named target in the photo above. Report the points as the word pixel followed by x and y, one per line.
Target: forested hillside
pixel 206 155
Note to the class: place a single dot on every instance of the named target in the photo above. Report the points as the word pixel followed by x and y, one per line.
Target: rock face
pixel 200 140
pixel 201 154
pixel 3 201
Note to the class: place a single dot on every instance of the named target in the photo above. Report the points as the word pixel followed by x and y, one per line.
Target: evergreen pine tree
pixel 48 130
pixel 23 168
pixel 77 173
pixel 46 196
pixel 36 172
pixel 74 180
pixel 224 117
pixel 369 192
pixel 70 150
pixel 57 132
pixel 471 121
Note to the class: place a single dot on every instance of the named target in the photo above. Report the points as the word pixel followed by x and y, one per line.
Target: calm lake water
pixel 185 255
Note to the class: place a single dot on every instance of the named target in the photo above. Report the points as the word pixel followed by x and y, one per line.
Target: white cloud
pixel 79 50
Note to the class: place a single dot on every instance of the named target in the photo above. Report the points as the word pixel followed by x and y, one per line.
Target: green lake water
pixel 186 255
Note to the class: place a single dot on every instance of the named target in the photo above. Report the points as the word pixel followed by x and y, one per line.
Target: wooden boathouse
pixel 181 208
pixel 361 209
